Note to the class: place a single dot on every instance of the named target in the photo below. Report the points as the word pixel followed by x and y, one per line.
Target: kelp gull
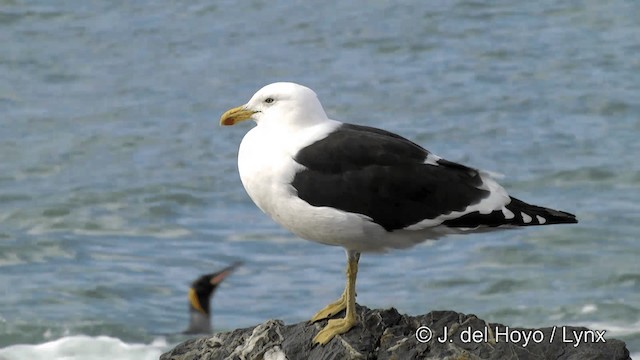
pixel 362 188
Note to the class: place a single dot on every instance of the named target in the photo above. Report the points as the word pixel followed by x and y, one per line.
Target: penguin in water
pixel 200 295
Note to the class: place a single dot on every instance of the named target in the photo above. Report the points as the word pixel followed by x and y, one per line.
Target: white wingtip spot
pixel 432 159
pixel 526 218
pixel 507 213
pixel 541 220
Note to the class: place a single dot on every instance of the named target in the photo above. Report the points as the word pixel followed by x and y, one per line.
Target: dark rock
pixel 386 334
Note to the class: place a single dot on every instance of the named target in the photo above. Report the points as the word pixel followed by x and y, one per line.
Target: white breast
pixel 266 161
pixel 267 168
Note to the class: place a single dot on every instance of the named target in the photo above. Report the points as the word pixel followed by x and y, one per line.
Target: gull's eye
pixel 269 100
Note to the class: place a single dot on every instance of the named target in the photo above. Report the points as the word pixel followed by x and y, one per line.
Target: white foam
pixel 82 347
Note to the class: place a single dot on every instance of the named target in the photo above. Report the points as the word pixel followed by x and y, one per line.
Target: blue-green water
pixel 117 186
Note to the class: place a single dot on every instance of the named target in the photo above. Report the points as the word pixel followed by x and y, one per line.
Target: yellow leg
pixel 348 299
pixel 332 309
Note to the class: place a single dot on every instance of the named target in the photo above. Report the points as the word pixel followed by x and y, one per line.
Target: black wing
pixel 384 176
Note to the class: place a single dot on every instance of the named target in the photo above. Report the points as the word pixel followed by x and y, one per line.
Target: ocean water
pixel 118 188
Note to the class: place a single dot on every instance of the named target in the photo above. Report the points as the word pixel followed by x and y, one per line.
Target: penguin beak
pixel 224 273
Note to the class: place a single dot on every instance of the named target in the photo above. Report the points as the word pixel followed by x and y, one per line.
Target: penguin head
pixel 200 293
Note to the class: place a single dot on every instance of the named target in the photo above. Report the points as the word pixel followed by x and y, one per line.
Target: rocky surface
pixel 386 334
